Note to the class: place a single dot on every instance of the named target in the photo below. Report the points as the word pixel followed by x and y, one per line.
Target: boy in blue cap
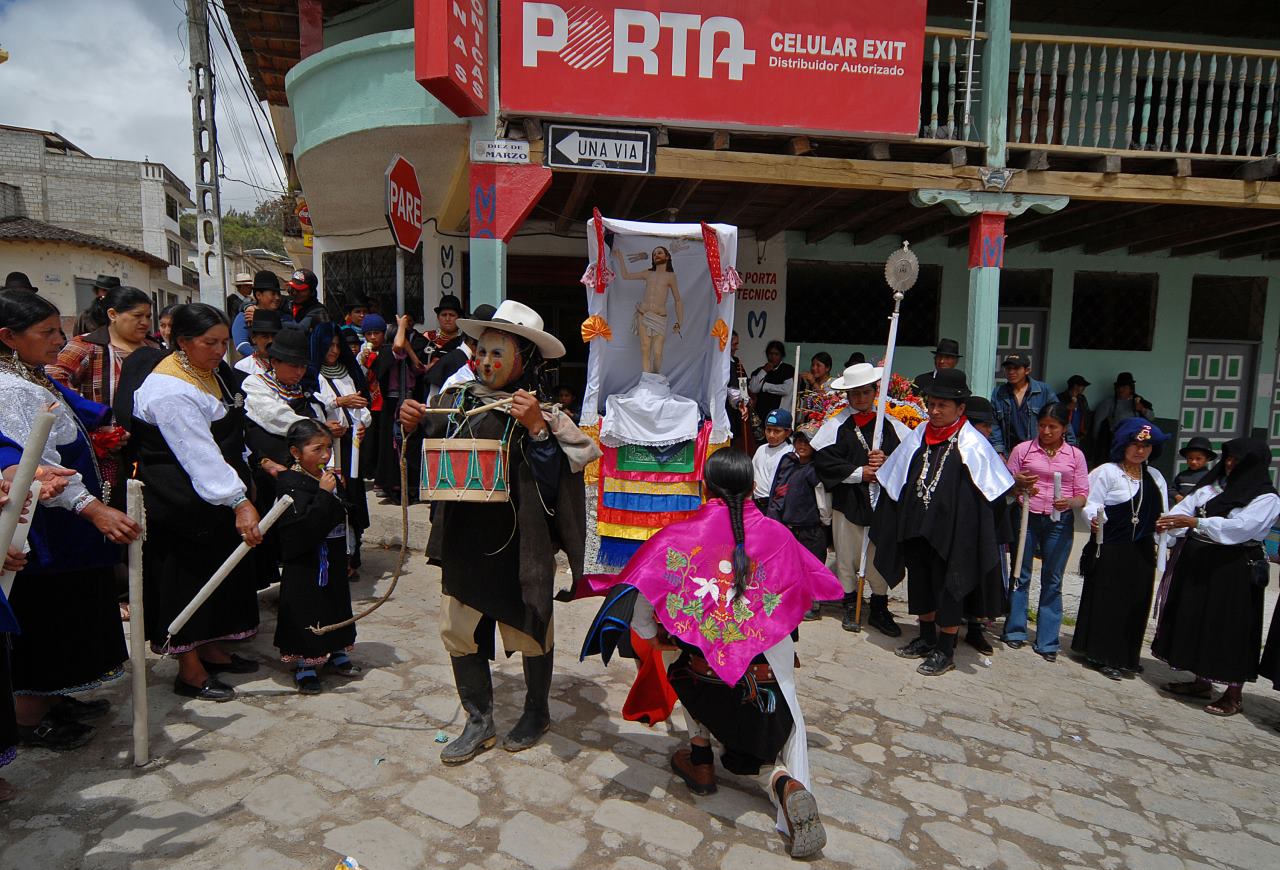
pixel 777 435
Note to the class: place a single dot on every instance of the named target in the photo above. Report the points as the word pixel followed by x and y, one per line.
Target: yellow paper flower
pixel 596 326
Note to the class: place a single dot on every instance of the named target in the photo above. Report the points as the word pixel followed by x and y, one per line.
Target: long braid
pixel 741 564
pixel 728 475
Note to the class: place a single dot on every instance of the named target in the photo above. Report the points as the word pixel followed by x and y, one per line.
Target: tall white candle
pixel 1057 495
pixel 137 629
pixel 19 538
pixel 23 478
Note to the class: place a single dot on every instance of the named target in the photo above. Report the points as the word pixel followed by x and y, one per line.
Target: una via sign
pixel 600 148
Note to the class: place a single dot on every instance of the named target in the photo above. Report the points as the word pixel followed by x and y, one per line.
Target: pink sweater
pixel 1029 456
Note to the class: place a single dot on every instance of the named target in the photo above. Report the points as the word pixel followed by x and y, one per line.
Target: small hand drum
pixel 464 469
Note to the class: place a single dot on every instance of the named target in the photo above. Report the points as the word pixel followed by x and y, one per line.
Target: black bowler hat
pixel 106 282
pixel 18 281
pixel 265 279
pixel 266 321
pixel 978 409
pixel 290 346
pixel 948 384
pixel 1077 379
pixel 1125 379
pixel 948 347
pixel 1198 443
pixel 483 312
pixel 449 302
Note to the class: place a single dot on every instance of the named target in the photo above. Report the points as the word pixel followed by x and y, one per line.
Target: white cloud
pixel 111 76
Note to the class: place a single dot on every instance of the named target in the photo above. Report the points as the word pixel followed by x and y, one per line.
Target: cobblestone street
pixel 1019 764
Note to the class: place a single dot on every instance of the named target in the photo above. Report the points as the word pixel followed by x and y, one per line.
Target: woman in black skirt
pixel 313 547
pixel 1211 624
pixel 64 600
pixel 187 425
pixel 1126 497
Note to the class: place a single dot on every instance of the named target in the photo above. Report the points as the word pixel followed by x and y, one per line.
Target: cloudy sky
pixel 111 76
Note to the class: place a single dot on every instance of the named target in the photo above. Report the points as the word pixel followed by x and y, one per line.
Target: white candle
pixel 1057 495
pixel 227 567
pixel 23 478
pixel 137 628
pixel 20 537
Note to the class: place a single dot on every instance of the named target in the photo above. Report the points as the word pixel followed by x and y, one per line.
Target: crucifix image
pixel 651 314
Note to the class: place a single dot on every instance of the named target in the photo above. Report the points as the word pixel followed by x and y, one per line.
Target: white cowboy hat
pixel 518 319
pixel 857 375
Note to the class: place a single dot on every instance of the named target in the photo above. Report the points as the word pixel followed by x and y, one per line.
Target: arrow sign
pixel 603 149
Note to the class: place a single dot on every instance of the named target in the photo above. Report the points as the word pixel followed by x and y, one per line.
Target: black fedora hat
pixel 1198 443
pixel 106 282
pixel 978 409
pixel 1077 379
pixel 266 321
pixel 265 279
pixel 290 346
pixel 449 302
pixel 19 281
pixel 1125 379
pixel 948 347
pixel 948 384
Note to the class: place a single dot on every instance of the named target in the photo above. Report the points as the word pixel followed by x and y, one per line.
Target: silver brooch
pixel 238 401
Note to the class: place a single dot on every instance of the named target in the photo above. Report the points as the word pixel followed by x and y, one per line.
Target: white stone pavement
pixel 1020 764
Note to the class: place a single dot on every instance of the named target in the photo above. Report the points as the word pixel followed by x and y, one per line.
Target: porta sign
pixel 853 66
pixel 451 53
pixel 404 204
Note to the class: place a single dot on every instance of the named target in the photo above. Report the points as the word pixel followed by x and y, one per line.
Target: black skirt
pixel 8 718
pixel 1269 667
pixel 304 603
pixel 1211 624
pixel 1116 603
pixel 177 562
pixel 740 726
pixel 72 638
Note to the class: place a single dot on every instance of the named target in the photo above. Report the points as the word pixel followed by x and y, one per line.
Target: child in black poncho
pixel 313 543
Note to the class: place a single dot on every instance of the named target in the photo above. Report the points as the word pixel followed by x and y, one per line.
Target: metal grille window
pixel 1026 288
pixel 370 273
pixel 175 253
pixel 1226 308
pixel 1113 311
pixel 849 303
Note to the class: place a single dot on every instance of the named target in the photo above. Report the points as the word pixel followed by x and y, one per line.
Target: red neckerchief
pixel 933 435
pixel 862 419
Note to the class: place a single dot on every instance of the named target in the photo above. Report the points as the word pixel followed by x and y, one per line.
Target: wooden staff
pixel 228 566
pixel 1022 539
pixel 795 387
pixel 137 628
pixel 25 475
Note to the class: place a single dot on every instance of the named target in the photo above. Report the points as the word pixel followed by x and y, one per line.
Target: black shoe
pixel 212 690
pixel 917 649
pixel 1111 673
pixel 308 682
pixel 69 709
pixel 813 613
pixel 849 617
pixel 343 667
pixel 54 734
pixel 881 619
pixel 237 665
pixel 1013 644
pixel 474 682
pixel 536 718
pixel 1049 657
pixel 937 664
pixel 977 639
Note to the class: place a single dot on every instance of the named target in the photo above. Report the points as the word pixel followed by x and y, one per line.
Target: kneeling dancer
pixel 937 520
pixel 498 559
pixel 726 588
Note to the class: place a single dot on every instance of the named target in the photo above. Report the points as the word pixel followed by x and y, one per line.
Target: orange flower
pixel 720 330
pixel 596 326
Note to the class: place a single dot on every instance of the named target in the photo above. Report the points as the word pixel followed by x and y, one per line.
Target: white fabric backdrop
pixel 693 362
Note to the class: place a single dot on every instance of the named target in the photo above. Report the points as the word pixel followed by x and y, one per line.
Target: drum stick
pixel 228 566
pixel 23 477
pixel 20 537
pixel 480 410
pixel 137 629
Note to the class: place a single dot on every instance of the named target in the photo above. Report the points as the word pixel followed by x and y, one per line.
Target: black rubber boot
pixel 536 718
pixel 881 619
pixel 849 604
pixel 475 688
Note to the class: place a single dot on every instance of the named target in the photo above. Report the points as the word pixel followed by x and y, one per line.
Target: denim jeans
pixel 1053 542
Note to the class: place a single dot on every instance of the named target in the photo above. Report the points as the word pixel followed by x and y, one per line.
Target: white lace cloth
pixel 184 414
pixel 22 401
pixel 650 415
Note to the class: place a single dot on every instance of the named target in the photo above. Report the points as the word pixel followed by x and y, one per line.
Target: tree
pixel 241 231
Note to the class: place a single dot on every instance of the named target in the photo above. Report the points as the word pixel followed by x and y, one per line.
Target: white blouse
pixel 346 386
pixel 22 401
pixel 1108 485
pixel 250 365
pixel 272 413
pixel 1241 525
pixel 184 414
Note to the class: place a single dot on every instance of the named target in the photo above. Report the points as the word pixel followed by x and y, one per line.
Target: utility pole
pixel 209 262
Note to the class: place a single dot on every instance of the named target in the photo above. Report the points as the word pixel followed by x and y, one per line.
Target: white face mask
pixel 498 361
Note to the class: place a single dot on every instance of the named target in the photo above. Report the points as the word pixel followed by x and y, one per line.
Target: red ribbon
pixel 599 275
pixel 107 440
pixel 712 243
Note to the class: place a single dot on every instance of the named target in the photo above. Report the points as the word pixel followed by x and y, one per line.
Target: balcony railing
pixel 1110 95
pixel 1131 95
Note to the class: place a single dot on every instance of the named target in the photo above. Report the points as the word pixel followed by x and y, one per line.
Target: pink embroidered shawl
pixel 685 571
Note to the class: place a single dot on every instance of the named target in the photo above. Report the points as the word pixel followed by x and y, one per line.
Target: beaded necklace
pixel 925 487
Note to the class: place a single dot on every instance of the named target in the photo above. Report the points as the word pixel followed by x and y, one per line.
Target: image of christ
pixel 651 314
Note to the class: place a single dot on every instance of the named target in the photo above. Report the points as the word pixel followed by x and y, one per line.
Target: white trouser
pixel 848 541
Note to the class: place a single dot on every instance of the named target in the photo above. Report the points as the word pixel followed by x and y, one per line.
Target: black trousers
pixel 927 585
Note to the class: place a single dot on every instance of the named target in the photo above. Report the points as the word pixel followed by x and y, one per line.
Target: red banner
pixel 502 197
pixel 451 53
pixel 851 66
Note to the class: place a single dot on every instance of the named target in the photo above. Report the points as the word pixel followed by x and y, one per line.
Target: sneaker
pixel 937 664
pixel 917 649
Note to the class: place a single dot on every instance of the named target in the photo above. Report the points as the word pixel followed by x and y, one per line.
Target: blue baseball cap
pixel 779 417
